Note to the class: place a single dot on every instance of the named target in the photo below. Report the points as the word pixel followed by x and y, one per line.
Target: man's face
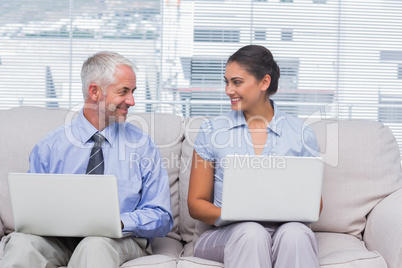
pixel 114 106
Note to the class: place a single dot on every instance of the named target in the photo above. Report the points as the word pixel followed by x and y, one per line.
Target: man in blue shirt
pixel 108 83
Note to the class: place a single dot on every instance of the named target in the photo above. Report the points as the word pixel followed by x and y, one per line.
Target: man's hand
pixel 122 225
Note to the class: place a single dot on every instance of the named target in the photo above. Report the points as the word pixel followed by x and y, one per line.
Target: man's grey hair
pixel 100 69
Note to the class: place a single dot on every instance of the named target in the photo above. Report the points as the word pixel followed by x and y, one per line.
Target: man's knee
pixel 23 238
pixel 25 241
pixel 25 250
pixel 96 244
pixel 104 252
pixel 95 252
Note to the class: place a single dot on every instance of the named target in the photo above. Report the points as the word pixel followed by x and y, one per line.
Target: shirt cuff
pixel 127 222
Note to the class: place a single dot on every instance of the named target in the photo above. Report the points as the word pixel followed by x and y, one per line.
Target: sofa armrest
pixel 383 231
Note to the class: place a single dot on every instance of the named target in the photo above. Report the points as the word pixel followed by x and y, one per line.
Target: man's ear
pixel 94 92
pixel 265 82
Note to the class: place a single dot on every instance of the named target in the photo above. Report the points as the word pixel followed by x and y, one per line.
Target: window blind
pixel 343 57
pixel 43 44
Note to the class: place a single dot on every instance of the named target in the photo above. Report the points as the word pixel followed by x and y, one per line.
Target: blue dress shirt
pixel 130 155
pixel 229 135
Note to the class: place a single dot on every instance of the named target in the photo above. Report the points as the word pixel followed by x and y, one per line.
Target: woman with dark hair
pixel 254 126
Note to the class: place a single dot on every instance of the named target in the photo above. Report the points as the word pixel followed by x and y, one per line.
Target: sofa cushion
pixel 167 130
pixel 167 246
pixel 156 261
pixel 362 167
pixel 194 262
pixel 187 223
pixel 344 251
pixel 21 129
pixel 383 231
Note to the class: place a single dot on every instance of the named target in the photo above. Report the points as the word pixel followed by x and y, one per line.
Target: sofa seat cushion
pixel 167 246
pixel 156 261
pixel 344 251
pixel 194 262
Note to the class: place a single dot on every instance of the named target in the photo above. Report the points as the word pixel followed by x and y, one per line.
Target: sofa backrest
pixel 362 163
pixel 187 223
pixel 167 130
pixel 362 167
pixel 23 127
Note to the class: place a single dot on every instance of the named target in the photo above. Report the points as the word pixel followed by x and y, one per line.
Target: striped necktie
pixel 96 164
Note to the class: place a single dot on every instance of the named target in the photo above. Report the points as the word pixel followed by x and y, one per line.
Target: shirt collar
pixel 87 130
pixel 237 118
pixel 275 125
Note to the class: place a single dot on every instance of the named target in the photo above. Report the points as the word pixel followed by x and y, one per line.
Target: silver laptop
pixel 65 205
pixel 271 189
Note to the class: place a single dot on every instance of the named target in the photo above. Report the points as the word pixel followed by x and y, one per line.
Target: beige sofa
pixel 361 223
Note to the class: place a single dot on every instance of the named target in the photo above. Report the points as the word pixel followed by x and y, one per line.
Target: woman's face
pixel 243 89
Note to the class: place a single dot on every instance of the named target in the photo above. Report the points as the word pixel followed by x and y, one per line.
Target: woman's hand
pixel 321 205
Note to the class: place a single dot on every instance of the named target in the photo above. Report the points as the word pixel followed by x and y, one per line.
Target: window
pixel 259 35
pixel 289 74
pixel 287 35
pixel 400 71
pixel 346 57
pixel 390 109
pixel 212 35
pixel 393 57
pixel 207 71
